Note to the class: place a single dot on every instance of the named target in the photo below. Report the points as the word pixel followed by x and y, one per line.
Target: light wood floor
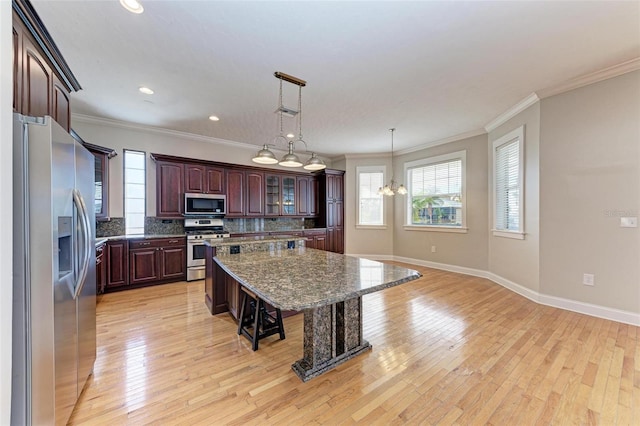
pixel 447 349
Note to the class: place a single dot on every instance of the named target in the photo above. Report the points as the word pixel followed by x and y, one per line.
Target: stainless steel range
pixel 198 231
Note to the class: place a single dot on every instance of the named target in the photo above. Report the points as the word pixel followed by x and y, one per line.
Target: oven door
pixel 195 253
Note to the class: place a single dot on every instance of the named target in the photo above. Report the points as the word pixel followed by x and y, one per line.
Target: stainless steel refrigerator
pixel 54 284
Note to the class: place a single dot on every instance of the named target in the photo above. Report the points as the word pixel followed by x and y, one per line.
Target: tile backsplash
pixel 159 226
pixel 111 228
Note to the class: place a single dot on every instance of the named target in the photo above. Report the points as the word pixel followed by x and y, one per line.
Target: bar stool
pixel 256 322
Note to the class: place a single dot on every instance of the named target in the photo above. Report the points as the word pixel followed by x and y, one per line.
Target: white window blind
pixel 508 183
pixel 370 203
pixel 134 191
pixel 436 191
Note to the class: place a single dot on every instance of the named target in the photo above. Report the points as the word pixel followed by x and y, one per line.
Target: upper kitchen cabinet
pixel 307 196
pixel 42 80
pixel 255 193
pixel 202 179
pixel 169 189
pixel 102 156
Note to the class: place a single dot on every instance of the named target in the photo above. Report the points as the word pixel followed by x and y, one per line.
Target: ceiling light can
pixel 146 90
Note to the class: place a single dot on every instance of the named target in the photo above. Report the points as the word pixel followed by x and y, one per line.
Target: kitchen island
pixel 328 287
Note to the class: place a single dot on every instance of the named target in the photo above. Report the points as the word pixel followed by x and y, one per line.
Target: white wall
pixel 120 136
pixel 466 250
pixel 359 241
pixel 590 176
pixel 6 199
pixel 511 259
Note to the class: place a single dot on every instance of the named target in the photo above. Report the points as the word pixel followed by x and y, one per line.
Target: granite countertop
pixel 305 278
pixel 100 240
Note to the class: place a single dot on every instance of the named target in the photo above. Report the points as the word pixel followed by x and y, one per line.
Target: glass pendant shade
pixel 265 156
pixel 314 163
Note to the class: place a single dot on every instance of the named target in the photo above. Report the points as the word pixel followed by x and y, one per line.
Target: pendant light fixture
pixel 265 156
pixel 391 189
pixel 290 159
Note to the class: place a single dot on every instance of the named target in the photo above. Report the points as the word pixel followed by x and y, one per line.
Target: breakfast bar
pixel 328 287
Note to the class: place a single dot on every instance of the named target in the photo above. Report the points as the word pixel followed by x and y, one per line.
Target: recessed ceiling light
pixel 132 6
pixel 214 118
pixel 146 90
pixel 290 135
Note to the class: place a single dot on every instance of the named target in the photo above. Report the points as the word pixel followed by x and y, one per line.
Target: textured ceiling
pixel 431 69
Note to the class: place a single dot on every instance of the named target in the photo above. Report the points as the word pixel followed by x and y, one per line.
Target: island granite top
pixel 304 278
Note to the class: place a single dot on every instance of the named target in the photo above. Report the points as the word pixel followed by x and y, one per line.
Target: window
pixel 134 191
pixel 436 199
pixel 370 205
pixel 508 168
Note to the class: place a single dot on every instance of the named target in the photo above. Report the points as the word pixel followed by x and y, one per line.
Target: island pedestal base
pixel 332 335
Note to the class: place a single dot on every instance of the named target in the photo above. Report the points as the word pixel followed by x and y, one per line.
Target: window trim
pixel 456 155
pixel 515 134
pixel 370 169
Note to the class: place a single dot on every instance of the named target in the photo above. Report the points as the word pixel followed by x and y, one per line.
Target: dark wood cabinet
pixel 117 269
pixel 37 81
pixel 272 195
pixel 316 238
pixel 101 178
pixel 101 271
pixel 169 189
pixel 143 264
pixel 61 107
pixel 42 80
pixel 307 195
pixel 215 286
pixel 157 260
pixel 235 192
pixel 255 193
pixel 233 296
pixel 250 191
pixel 202 179
pixel 331 188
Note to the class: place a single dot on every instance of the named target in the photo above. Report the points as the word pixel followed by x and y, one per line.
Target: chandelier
pixel 290 159
pixel 391 189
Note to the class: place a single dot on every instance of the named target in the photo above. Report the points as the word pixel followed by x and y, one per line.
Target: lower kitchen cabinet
pixel 157 260
pixel 316 238
pixel 117 270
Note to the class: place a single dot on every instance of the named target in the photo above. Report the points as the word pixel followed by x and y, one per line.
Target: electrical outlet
pixel 588 279
pixel 433 249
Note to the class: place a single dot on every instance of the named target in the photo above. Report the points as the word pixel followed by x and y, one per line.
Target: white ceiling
pixel 431 69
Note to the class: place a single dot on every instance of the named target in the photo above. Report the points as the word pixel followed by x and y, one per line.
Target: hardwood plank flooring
pixel 447 349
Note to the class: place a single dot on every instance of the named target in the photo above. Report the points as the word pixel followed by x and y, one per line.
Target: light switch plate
pixel 628 222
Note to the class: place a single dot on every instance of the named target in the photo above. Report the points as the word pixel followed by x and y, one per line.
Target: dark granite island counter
pixel 327 287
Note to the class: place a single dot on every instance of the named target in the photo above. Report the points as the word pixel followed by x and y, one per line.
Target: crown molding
pixel 450 139
pixel 158 130
pixel 512 112
pixel 360 156
pixel 572 84
pixel 594 77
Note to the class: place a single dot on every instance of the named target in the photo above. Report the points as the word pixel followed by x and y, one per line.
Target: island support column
pixel 332 335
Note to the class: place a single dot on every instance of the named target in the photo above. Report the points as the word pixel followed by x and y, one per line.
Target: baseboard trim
pixel 590 309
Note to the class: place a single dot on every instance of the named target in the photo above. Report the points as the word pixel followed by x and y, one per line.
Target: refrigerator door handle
pixel 84 222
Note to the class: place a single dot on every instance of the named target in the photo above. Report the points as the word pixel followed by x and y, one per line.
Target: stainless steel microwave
pixel 204 204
